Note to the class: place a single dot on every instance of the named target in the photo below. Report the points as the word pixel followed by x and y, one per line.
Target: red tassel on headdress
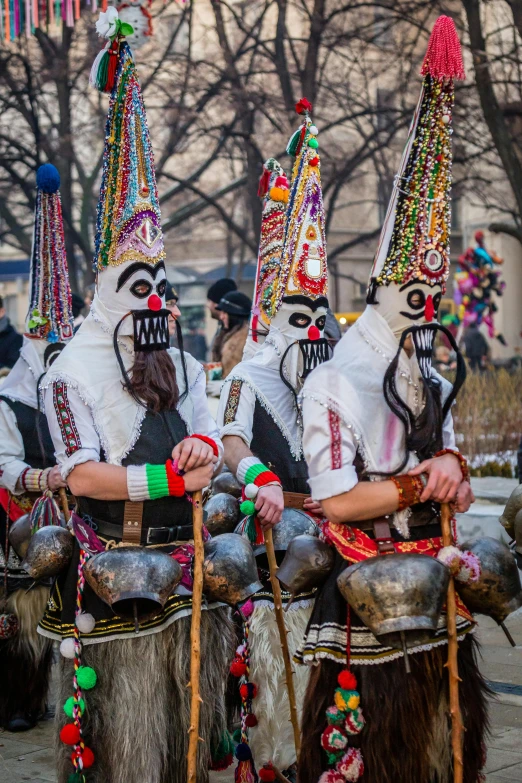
pixel 264 183
pixel 444 55
pixel 113 65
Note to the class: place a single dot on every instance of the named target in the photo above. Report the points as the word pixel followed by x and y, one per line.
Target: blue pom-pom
pixel 48 178
pixel 243 752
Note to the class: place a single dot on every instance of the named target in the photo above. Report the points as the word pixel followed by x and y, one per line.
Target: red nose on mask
pixel 429 310
pixel 154 302
pixel 313 332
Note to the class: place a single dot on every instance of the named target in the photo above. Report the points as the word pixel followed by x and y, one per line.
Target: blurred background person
pixel 214 294
pixel 10 340
pixel 476 347
pixel 234 313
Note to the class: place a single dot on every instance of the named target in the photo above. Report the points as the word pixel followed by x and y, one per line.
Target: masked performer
pixel 379 411
pixel 27 463
pixel 124 412
pixel 259 417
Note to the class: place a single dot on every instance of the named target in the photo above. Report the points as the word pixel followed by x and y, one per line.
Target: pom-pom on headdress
pixel 303 261
pixel 50 309
pixel 414 241
pixel 273 189
pixel 128 222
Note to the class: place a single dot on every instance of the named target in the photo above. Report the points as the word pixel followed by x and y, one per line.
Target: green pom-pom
pixel 247 507
pixel 76 777
pixel 236 736
pixel 334 716
pixel 333 758
pixel 86 677
pixel 313 143
pixel 68 707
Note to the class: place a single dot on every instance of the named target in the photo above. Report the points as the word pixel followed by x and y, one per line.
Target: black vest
pixel 160 432
pixel 269 445
pixel 38 445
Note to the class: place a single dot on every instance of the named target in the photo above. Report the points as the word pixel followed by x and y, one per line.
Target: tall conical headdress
pixel 129 222
pixel 129 248
pixel 303 263
pixel 414 242
pixel 273 189
pixel 50 307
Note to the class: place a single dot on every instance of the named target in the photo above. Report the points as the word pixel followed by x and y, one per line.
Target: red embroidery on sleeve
pixel 335 439
pixel 70 435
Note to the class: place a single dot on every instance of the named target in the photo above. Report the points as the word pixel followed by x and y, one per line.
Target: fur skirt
pixel 138 715
pixel 25 659
pixel 407 733
pixel 273 739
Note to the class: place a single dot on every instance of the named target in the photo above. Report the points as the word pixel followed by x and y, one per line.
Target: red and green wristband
pixel 254 477
pixel 150 482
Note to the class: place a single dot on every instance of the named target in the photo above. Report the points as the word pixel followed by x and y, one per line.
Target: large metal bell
pixel 498 591
pixel 229 569
pixel 20 535
pixel 49 552
pixel 223 514
pixel 307 564
pixel 294 522
pixel 399 597
pixel 226 482
pixel 511 519
pixel 134 581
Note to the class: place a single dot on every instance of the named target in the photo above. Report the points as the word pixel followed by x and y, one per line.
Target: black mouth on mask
pixel 314 352
pixel 423 339
pixel 151 330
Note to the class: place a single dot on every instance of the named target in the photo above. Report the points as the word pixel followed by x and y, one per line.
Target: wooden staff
pixel 457 728
pixel 65 503
pixel 280 618
pixel 195 638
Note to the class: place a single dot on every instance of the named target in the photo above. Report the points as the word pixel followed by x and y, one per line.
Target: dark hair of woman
pixel 153 381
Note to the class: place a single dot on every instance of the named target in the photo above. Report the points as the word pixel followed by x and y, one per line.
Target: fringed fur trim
pixel 272 739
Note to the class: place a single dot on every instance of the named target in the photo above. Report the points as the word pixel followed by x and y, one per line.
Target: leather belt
pixel 294 499
pixel 382 532
pixel 149 535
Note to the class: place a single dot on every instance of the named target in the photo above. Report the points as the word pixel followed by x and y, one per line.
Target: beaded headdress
pixel 273 189
pixel 128 221
pixel 50 308
pixel 303 262
pixel 414 242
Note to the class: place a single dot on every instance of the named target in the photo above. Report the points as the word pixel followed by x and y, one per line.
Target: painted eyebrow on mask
pixel 136 267
pixel 417 282
pixel 299 299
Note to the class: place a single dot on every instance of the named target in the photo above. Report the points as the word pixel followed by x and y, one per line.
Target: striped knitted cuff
pixel 245 464
pixel 150 482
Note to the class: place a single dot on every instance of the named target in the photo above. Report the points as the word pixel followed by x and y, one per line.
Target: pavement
pixel 29 757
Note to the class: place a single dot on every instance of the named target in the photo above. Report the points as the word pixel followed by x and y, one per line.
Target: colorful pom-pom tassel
pixel 354 722
pixel 70 734
pixel 347 680
pixel 247 507
pixel 70 704
pixel 313 143
pixel 251 720
pixel 346 700
pixel 238 668
pixel 86 677
pixel 267 774
pixel 87 757
pixel 333 740
pixel 351 765
pixel 334 716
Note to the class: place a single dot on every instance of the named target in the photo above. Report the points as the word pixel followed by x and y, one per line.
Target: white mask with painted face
pixel 411 304
pixel 137 288
pixel 296 321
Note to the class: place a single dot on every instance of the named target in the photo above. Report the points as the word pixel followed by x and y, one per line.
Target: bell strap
pixel 294 499
pixel 132 522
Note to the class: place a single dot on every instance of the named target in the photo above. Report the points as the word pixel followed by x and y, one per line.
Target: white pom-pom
pixel 251 491
pixel 67 648
pixel 85 622
pixel 313 130
pixel 445 119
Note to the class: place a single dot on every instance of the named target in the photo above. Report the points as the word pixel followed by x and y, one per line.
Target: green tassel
pixel 103 69
pixel 291 147
pixel 236 736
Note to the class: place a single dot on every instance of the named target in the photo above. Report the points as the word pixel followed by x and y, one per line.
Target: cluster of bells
pixel 399 597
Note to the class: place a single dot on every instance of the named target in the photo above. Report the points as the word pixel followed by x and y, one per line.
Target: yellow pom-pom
pixel 353 702
pixel 279 194
pixel 339 701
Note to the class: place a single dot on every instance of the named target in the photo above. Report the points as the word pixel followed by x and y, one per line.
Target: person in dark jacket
pixel 216 291
pixel 476 347
pixel 10 340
